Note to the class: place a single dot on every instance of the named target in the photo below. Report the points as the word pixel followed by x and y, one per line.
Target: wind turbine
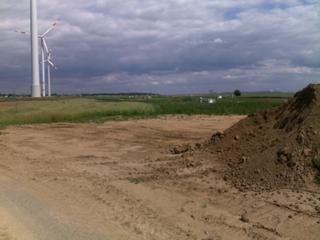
pixel 44 49
pixel 49 65
pixel 34 49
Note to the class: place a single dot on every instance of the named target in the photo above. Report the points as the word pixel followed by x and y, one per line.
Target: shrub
pixel 237 93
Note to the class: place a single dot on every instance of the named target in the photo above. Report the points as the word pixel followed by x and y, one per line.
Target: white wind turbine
pixel 50 64
pixel 34 49
pixel 44 50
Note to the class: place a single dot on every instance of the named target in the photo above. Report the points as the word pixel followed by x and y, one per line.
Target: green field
pixel 67 110
pixel 102 108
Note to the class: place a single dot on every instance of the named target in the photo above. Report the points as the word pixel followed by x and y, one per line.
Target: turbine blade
pixel 42 45
pixel 50 29
pixel 21 32
pixel 46 32
pixel 51 63
pixel 45 45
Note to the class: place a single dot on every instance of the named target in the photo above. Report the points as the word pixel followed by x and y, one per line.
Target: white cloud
pixel 106 44
pixel 218 41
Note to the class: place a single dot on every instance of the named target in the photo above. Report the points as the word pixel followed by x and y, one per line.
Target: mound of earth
pixel 273 148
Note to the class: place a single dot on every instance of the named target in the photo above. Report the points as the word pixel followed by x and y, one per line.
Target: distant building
pixel 211 101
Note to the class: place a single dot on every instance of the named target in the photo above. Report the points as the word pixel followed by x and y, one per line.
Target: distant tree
pixel 237 93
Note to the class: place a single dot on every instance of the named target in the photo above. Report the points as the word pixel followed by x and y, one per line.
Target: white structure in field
pixel 211 101
pixel 36 92
pixel 45 50
pixel 49 65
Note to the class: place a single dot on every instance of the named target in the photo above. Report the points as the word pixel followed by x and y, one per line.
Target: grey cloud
pixel 162 46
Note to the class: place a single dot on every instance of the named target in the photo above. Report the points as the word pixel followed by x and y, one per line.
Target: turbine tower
pixel 43 78
pixel 36 92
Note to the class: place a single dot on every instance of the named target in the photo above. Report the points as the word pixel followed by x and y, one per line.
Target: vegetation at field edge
pixel 102 108
pixel 191 104
pixel 68 110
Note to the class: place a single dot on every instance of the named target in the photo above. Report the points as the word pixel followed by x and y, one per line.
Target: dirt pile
pixel 273 148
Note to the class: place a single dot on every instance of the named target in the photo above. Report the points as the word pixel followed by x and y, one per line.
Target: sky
pixel 166 46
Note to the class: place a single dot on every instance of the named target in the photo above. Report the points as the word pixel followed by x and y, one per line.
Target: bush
pixel 237 93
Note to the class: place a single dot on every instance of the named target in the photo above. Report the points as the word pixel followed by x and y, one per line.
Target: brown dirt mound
pixel 273 148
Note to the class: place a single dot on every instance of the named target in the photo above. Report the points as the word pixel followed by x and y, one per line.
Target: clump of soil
pixel 273 148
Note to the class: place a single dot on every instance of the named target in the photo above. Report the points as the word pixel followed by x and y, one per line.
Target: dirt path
pixel 119 180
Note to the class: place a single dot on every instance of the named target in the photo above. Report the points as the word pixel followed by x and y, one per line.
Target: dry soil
pixel 132 180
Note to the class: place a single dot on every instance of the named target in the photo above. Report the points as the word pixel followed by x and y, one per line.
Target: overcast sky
pixel 166 46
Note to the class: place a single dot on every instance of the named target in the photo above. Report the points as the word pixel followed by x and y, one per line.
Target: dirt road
pixel 124 180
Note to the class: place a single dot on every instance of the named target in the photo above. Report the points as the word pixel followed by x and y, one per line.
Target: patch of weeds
pixel 318 179
pixel 135 180
pixel 2 132
pixel 317 165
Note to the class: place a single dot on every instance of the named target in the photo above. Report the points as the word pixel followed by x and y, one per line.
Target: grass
pixel 136 180
pixel 191 105
pixel 99 109
pixel 225 106
pixel 268 94
pixel 317 165
pixel 67 110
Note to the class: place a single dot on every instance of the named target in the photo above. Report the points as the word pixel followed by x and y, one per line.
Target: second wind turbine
pixel 45 50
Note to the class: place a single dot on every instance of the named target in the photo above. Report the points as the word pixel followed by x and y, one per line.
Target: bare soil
pixel 137 180
pixel 275 148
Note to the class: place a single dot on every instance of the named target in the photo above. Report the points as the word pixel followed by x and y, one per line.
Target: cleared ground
pixel 108 181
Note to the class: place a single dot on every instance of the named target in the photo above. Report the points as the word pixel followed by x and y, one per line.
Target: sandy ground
pixel 108 181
